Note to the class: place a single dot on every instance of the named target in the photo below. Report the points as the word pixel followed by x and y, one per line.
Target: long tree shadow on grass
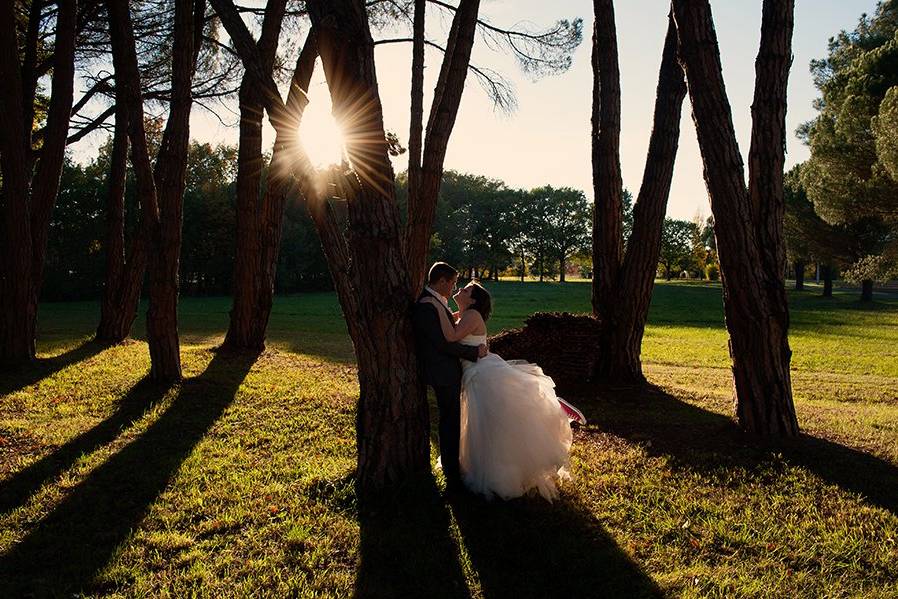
pixel 530 548
pixel 65 551
pixel 702 440
pixel 407 549
pixel 19 378
pixel 15 490
pixel 521 548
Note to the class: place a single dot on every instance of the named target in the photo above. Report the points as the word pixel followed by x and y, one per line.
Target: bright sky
pixel 546 140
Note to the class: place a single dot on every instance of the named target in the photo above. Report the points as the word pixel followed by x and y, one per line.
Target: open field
pixel 238 482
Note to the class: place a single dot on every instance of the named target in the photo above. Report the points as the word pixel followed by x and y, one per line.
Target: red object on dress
pixel 573 414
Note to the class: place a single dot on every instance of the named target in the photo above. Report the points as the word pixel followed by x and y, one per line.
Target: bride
pixel 515 432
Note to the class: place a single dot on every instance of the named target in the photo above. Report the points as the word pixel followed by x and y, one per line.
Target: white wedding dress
pixel 514 435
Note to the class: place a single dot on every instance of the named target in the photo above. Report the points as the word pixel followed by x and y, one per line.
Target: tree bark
pixel 111 321
pixel 392 414
pixel 866 291
pixel 28 201
pixel 170 176
pixel 416 121
pixel 827 272
pixel 754 304
pixel 278 185
pixel 799 275
pixel 246 331
pixel 607 246
pixel 128 94
pixel 45 186
pixel 623 323
pixel 422 201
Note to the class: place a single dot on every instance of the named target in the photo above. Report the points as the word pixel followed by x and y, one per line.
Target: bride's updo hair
pixel 483 301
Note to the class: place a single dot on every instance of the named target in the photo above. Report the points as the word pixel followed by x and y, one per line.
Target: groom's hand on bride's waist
pixel 483 350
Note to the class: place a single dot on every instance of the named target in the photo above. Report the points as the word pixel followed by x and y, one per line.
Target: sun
pixel 319 133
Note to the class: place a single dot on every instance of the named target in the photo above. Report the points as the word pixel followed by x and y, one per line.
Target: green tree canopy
pixel 850 176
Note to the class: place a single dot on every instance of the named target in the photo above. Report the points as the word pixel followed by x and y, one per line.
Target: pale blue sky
pixel 546 140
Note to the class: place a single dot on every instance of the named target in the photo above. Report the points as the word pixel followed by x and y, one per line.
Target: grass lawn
pixel 238 482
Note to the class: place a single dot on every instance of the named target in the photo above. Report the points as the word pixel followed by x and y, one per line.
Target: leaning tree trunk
pixel 45 185
pixel 623 326
pixel 799 275
pixel 867 291
pixel 128 94
pixel 754 304
pixel 278 186
pixel 248 323
pixel 424 190
pixel 827 272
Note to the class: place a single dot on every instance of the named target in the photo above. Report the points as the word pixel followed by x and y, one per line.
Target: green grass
pixel 238 482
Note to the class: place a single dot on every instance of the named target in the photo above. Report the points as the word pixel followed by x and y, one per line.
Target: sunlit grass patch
pixel 239 480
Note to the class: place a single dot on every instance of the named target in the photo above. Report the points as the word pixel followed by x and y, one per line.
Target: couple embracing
pixel 503 431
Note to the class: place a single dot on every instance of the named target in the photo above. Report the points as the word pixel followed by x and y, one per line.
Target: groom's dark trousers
pixel 441 363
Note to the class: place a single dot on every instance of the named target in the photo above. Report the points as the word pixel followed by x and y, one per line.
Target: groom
pixel 442 364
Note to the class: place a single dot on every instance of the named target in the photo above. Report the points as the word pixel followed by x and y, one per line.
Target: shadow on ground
pixel 15 490
pixel 62 554
pixel 407 549
pixel 17 379
pixel 702 440
pixel 530 548
pixel 522 548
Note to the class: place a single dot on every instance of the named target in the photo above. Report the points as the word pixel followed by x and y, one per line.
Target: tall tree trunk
pixel 29 72
pixel 754 303
pixel 392 416
pixel 422 201
pixel 624 326
pixel 867 291
pixel 278 186
pixel 45 186
pixel 416 120
pixel 28 201
pixel 17 325
pixel 128 93
pixel 170 176
pixel 799 275
pixel 109 329
pixel 827 271
pixel 246 331
pixel 561 267
pixel 623 323
pixel 246 256
pixel 607 246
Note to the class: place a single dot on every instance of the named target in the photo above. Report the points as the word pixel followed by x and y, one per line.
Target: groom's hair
pixel 439 271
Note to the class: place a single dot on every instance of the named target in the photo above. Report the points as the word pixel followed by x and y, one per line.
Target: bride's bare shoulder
pixel 475 319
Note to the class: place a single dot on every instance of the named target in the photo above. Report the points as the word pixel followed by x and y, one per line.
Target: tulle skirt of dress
pixel 514 436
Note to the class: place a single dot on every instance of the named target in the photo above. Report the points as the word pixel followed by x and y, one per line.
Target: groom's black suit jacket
pixel 439 357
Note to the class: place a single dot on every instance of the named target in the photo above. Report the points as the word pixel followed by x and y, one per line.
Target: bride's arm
pixel 449 331
pixel 470 322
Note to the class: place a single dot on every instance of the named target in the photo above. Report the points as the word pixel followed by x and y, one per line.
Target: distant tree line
pixel 75 265
pixel 482 226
